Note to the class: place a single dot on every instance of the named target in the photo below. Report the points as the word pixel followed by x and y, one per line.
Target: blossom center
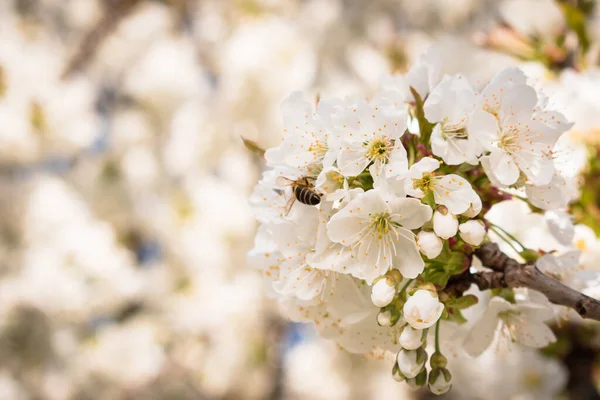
pixel 425 184
pixel 319 149
pixel 378 149
pixel 380 223
pixel 456 131
pixel 508 140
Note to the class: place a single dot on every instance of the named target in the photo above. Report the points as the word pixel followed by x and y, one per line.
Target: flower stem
pixel 497 232
pixel 411 155
pixel 437 335
pixel 406 286
pixel 507 234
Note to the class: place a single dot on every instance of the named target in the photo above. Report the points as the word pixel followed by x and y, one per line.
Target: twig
pixel 508 273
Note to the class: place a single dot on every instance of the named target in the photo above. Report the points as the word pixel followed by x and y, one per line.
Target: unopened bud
pixel 429 244
pixel 418 381
pixel 384 318
pixel 472 232
pixel 440 381
pixel 445 225
pixel 410 362
pixel 411 338
pixel 397 375
pixel 382 293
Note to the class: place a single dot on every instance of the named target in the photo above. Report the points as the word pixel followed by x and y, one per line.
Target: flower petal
pixel 501 166
pixel 410 213
pixel 454 192
pixel 352 160
pixel 407 257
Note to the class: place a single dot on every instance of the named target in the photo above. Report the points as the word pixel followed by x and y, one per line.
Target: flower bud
pixel 429 244
pixel 397 375
pixel 445 225
pixel 382 293
pixel 410 362
pixel 440 381
pixel 422 309
pixel 384 318
pixel 472 232
pixel 418 381
pixel 410 338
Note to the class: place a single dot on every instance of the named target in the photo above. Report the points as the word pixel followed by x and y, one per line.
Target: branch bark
pixel 509 273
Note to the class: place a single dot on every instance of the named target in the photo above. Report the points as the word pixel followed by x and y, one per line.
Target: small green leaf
pixel 455 315
pixel 462 302
pixel 425 127
pixel 457 262
pixel 505 293
pixel 252 146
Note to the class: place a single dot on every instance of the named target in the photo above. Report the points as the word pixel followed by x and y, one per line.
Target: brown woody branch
pixel 508 273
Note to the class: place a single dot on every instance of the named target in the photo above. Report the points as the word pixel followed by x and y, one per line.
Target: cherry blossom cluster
pixel 404 181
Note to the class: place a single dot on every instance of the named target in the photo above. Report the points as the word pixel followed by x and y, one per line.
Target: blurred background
pixel 124 183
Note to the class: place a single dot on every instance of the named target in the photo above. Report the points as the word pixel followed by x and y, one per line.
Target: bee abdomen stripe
pixel 307 196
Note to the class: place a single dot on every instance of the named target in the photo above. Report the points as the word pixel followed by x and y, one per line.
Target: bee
pixel 303 190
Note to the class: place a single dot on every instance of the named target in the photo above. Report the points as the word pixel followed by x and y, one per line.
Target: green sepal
pixel 422 377
pixel 438 360
pixel 455 315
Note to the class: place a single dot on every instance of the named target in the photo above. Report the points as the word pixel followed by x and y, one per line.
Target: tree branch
pixel 508 273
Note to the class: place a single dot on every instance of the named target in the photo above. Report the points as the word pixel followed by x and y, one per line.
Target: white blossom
pixel 370 137
pixel 451 191
pixel 378 232
pixel 560 226
pixel 521 322
pixel 450 105
pixel 508 130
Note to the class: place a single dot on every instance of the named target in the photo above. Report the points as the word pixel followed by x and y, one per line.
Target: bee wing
pixel 283 181
pixel 289 204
